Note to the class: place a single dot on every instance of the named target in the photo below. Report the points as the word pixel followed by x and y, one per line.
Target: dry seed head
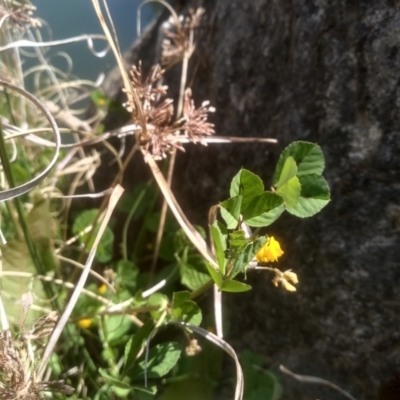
pixel 146 89
pixel 179 37
pixel 196 125
pixel 193 348
pixel 17 368
pixel 163 134
pixel 20 15
pixel 287 279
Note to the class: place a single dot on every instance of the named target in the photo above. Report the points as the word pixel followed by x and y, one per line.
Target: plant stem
pixel 208 285
pixel 128 221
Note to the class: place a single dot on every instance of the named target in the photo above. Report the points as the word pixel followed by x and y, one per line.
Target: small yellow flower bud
pixel 85 323
pixel 102 289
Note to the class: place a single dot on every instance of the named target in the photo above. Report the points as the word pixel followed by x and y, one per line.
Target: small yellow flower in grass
pixel 85 323
pixel 271 251
pixel 286 279
pixel 102 289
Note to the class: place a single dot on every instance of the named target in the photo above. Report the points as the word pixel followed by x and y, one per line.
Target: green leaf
pixel 264 209
pixel 16 257
pixel 315 195
pixel 158 300
pixel 184 309
pixel 113 381
pixel 136 343
pixel 308 157
pixel 219 234
pixel 290 191
pixel 230 211
pixel 122 393
pixel 234 286
pixel 43 229
pixel 150 390
pixel 162 358
pixel 152 222
pixel 115 327
pixel 193 269
pixel 247 255
pixel 260 384
pixel 267 218
pixel 315 187
pixel 216 276
pixel 180 297
pixel 20 174
pixel 41 223
pixel 238 239
pixel 289 170
pixel 141 197
pixel 105 248
pixel 246 184
pixel 127 273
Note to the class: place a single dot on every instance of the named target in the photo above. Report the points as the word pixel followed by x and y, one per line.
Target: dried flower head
pixel 160 133
pixel 287 279
pixel 17 380
pixel 196 125
pixel 179 37
pixel 193 348
pixel 147 89
pixel 20 15
pixel 42 327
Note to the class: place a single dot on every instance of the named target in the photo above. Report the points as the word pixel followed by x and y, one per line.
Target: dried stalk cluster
pixel 161 131
pixel 17 367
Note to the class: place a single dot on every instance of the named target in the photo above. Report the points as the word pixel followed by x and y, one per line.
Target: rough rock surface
pixel 327 72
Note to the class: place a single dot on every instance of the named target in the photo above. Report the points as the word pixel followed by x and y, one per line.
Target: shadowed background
pixel 326 72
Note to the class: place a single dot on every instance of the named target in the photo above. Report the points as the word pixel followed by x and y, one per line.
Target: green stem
pixel 140 237
pixel 208 285
pixel 128 221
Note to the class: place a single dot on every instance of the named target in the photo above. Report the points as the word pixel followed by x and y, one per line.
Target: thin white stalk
pixel 88 38
pixel 315 380
pixel 187 227
pixel 117 192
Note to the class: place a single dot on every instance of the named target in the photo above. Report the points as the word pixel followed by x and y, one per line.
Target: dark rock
pixel 327 72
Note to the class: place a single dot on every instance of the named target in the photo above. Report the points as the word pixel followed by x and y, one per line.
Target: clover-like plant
pixel 298 187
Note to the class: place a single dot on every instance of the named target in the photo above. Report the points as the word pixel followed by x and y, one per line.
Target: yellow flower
pixel 271 251
pixel 85 323
pixel 102 289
